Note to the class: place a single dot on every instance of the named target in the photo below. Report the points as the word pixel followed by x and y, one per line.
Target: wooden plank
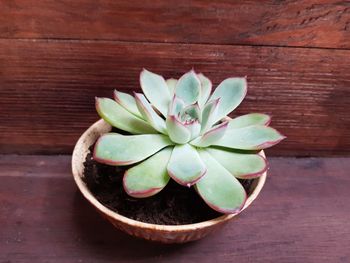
pixel 301 216
pixel 48 89
pixel 311 23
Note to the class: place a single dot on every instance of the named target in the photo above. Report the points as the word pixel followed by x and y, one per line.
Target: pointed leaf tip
pixel 156 90
pixel 206 87
pixel 231 91
pixel 171 85
pixel 188 88
pixel 127 102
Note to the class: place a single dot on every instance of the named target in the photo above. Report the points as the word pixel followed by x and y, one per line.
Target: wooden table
pixel 302 215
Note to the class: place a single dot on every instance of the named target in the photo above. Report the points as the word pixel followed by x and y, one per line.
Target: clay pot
pixel 160 233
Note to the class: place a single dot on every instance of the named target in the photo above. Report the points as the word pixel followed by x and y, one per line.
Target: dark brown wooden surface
pixel 302 215
pixel 312 23
pixel 47 88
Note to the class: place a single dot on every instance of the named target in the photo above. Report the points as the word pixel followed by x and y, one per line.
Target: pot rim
pixel 76 158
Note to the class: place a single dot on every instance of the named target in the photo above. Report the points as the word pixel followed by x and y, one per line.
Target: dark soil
pixel 174 205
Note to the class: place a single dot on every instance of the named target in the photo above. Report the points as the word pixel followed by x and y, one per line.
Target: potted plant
pixel 174 167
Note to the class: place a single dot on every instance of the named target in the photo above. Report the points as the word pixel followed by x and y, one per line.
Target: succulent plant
pixel 179 130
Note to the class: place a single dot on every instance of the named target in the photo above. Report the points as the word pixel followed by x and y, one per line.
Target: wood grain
pixel 48 89
pixel 311 23
pixel 301 216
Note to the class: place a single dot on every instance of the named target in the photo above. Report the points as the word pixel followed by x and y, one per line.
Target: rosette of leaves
pixel 179 129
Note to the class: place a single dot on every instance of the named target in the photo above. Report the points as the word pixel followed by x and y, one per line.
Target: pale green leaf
pixel 116 149
pixel 176 106
pixel 194 127
pixel 149 114
pixel 209 114
pixel 191 112
pixel 156 90
pixel 240 165
pixel 171 85
pixel 211 136
pixel 255 137
pixel 249 120
pixel 185 166
pixel 219 189
pixel 206 87
pixel 149 177
pixel 231 92
pixel 188 88
pixel 177 131
pixel 127 102
pixel 118 117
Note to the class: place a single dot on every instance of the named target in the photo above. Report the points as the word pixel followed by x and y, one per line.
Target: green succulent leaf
pixel 188 88
pixel 156 90
pixel 219 189
pixel 231 92
pixel 127 102
pixel 176 106
pixel 209 114
pixel 249 120
pixel 177 131
pixel 149 114
pixel 118 117
pixel 255 137
pixel 185 166
pixel 171 85
pixel 206 87
pixel 241 165
pixel 116 149
pixel 194 127
pixel 149 177
pixel 191 112
pixel 211 136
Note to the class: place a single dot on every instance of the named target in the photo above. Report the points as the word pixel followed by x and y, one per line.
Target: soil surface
pixel 174 205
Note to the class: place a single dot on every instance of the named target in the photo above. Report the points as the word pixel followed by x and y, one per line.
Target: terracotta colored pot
pixel 161 233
